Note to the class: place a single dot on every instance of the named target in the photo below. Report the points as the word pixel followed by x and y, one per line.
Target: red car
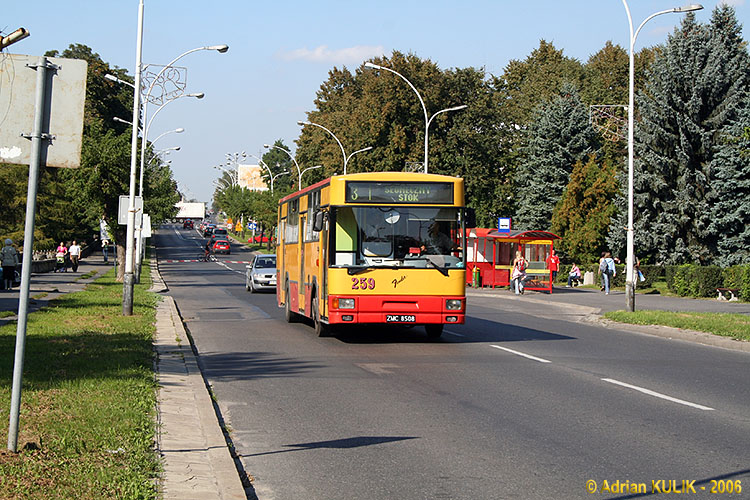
pixel 258 239
pixel 221 246
pixel 188 224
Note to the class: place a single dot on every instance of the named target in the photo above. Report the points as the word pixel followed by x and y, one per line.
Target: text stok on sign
pixel 399 192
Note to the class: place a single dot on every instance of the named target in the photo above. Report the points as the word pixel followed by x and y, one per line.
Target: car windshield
pixel 398 237
pixel 265 262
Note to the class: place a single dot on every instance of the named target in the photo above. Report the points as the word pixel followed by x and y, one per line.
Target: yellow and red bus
pixel 374 248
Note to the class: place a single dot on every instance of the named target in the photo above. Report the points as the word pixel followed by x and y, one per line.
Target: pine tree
pixel 730 211
pixel 558 136
pixel 694 91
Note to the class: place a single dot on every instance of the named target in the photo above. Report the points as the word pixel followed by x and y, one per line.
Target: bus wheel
pixel 288 314
pixel 433 331
pixel 321 329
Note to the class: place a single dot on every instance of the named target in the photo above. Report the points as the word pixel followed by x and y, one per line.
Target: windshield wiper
pixel 443 270
pixel 356 270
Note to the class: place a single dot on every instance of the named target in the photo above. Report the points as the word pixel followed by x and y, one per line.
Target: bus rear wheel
pixel 433 331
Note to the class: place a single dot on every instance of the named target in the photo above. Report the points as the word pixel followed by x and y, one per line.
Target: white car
pixel 261 274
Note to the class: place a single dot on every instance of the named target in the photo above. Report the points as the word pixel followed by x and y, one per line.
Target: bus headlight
pixel 343 303
pixel 454 304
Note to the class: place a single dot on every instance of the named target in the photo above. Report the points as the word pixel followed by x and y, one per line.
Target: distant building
pixel 249 176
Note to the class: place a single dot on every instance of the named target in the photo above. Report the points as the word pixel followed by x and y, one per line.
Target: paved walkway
pixel 197 462
pixel 49 286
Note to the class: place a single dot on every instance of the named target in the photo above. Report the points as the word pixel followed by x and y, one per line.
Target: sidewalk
pixel 588 304
pixel 590 297
pixel 48 286
pixel 197 462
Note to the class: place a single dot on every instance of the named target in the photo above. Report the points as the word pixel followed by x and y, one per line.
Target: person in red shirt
pixel 553 263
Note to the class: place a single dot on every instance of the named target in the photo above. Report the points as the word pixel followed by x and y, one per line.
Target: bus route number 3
pixel 363 283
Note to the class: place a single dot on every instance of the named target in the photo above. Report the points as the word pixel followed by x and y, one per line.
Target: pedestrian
pixel 105 249
pixel 519 272
pixel 9 261
pixel 573 276
pixel 601 275
pixel 607 270
pixel 60 255
pixel 75 255
pixel 553 264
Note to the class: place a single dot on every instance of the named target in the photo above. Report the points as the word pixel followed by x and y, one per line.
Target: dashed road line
pixel 517 353
pixel 657 394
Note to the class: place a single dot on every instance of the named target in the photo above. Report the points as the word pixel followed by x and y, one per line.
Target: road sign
pixel 122 210
pixel 64 122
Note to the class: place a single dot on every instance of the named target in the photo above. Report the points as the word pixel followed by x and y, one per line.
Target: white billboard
pixel 66 94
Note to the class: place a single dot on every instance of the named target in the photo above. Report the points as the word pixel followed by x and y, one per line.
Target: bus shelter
pixel 492 252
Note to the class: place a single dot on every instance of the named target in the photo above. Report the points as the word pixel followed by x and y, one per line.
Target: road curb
pixel 196 459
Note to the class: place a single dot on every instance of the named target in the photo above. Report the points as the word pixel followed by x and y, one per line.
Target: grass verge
pixel 736 326
pixel 88 399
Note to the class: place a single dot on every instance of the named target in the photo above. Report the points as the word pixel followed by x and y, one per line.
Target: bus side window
pixel 346 237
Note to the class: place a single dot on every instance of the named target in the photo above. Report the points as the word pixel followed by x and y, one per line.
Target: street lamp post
pixel 129 277
pixel 427 120
pixel 305 170
pixel 270 174
pixel 629 278
pixel 268 146
pixel 232 175
pixel 354 153
pixel 343 153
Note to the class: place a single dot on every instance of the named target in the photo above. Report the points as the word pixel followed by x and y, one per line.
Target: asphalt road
pixel 521 402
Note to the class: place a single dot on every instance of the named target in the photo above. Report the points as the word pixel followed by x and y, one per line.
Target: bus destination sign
pixel 399 192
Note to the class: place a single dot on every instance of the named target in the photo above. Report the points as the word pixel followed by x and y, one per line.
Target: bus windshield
pixel 382 236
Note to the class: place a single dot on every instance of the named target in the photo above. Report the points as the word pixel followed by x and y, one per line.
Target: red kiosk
pixel 492 252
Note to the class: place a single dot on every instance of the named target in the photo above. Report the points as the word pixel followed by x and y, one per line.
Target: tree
pixel 582 216
pixel 696 88
pixel 730 209
pixel 558 136
pixel 526 84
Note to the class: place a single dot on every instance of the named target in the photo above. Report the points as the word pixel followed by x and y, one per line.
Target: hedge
pixel 690 280
pixel 687 280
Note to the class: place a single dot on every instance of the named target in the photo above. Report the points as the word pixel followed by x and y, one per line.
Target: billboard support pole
pixel 37 136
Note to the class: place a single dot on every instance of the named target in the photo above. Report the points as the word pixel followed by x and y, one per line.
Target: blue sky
pixel 280 52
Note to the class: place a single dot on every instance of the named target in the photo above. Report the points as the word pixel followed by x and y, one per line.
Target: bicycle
pixel 203 257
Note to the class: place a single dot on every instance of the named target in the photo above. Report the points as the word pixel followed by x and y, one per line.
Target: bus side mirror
pixel 471 217
pixel 318 220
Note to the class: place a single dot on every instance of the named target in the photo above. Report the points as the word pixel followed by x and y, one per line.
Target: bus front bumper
pixel 424 310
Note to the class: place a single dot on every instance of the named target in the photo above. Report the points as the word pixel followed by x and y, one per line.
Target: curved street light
pixel 354 153
pixel 129 277
pixel 268 146
pixel 270 173
pixel 305 170
pixel 232 175
pixel 629 281
pixel 427 120
pixel 343 153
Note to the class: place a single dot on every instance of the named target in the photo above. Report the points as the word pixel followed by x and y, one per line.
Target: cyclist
pixel 207 250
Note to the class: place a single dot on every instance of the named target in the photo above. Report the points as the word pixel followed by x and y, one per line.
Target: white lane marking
pixel 229 268
pixel 657 394
pixel 454 333
pixel 521 354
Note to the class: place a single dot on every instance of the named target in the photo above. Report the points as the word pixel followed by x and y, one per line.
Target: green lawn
pixel 88 400
pixel 736 326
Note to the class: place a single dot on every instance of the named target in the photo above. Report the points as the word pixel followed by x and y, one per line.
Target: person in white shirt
pixel 75 255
